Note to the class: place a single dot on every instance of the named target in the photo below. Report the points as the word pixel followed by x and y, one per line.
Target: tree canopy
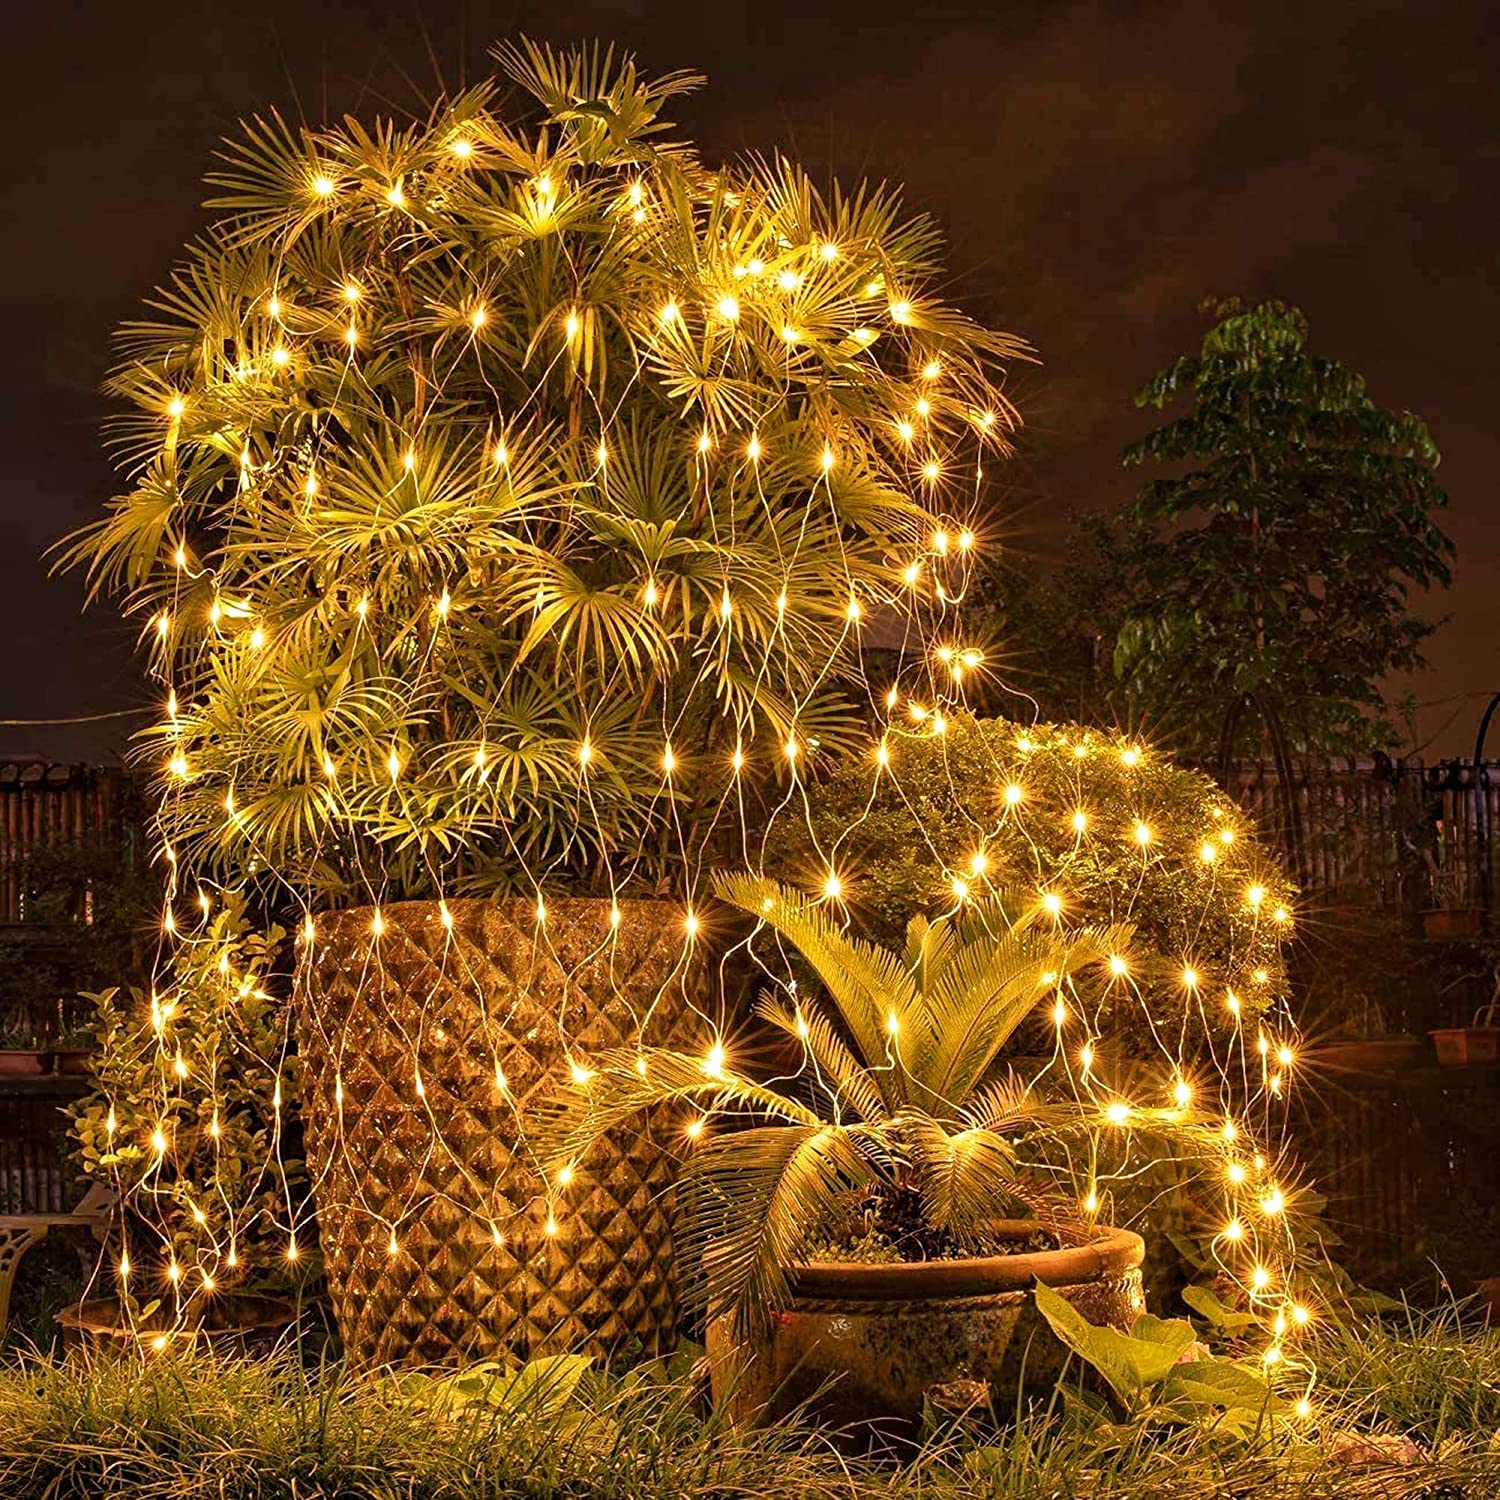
pixel 1275 562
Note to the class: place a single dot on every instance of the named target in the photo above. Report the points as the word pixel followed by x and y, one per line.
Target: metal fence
pixel 1402 836
pixel 45 808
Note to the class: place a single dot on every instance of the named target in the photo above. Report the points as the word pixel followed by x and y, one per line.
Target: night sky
pixel 1098 170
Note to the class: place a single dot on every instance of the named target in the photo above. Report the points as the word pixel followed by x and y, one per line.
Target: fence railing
pixel 45 808
pixel 1403 836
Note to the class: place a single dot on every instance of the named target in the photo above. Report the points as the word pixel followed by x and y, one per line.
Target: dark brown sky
pixel 1098 167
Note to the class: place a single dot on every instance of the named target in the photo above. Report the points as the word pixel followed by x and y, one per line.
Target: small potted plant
pixel 74 1051
pixel 1471 1045
pixel 870 1234
pixel 1452 917
pixel 195 1151
pixel 22 1053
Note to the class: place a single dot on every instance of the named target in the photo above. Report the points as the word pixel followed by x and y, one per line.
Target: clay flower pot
pixel 867 1343
pixel 1452 924
pixel 22 1062
pixel 1466 1046
pixel 426 1045
pixel 239 1323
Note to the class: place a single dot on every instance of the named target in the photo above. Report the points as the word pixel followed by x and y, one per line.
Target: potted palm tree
pixel 874 1227
pixel 507 493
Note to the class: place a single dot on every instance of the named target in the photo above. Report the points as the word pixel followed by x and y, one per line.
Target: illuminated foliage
pixel 495 481
pixel 1115 831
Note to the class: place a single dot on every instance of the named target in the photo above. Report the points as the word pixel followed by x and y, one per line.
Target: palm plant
pixel 904 1098
pixel 508 490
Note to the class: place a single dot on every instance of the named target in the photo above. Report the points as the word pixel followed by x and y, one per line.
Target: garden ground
pixel 1405 1406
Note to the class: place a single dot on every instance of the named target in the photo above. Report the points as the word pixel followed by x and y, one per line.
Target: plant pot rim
pixel 424 906
pixel 1463 1030
pixel 1111 1253
pixel 100 1317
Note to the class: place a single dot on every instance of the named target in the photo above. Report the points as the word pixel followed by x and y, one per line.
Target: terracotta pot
pixel 409 1133
pixel 233 1324
pixel 22 1063
pixel 1375 1055
pixel 1466 1046
pixel 73 1062
pixel 1452 924
pixel 864 1343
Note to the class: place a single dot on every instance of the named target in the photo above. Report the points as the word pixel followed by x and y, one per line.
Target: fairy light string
pixel 442 415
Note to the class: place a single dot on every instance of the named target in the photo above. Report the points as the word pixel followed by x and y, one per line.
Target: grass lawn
pixel 1408 1406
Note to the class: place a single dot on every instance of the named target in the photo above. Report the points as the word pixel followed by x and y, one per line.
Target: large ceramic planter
pixel 427 1046
pixel 869 1342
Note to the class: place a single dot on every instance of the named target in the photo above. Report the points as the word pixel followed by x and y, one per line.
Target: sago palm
pixel 903 1091
pixel 506 490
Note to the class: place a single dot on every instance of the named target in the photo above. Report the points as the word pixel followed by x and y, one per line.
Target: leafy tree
pixel 1275 564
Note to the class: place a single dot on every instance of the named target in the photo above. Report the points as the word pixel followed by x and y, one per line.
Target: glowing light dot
pixel 1234 1230
pixel 931 469
pixel 829 251
pixel 158 1142
pixel 461 148
pixel 1260 1278
pixel 322 185
pixel 668 760
pixel 1014 794
pixel 564 1176
pixel 1236 1172
pixel 960 888
pixel 792 748
pixel 1080 821
pixel 752 448
pixel 833 887
pixel 901 312
pixel 580 1074
pixel 1255 895
pixel 669 314
pixel 478 318
pixel 1301 1316
pixel 176 406
pixel 931 370
pixel 1208 853
pixel 827 459
pixel 1052 903
pixel 1117 966
pixel 585 753
pixel 694 1129
pixel 1281 914
pixel 1130 757
pixel 281 355
pixel 1142 834
pixel 691 924
pixel 892 1023
pixel 979 862
pixel 571 325
pixel 940 543
pixel 1182 1093
pixel 905 431
pixel 713 1063
pixel 1190 978
pixel 550 1227
pixel 352 292
pixel 729 308
pixel 1091 1202
pixel 1273 1203
pixel 882 754
pixel 1117 1113
pixel 1086 1058
pixel 393 765
pixel 377 923
pixel 1303 1408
